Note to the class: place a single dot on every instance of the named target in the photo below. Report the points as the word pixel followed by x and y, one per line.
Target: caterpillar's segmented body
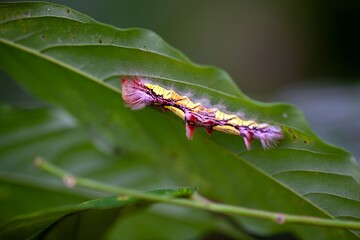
pixel 137 93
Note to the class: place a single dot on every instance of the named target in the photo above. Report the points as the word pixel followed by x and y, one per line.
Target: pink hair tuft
pixel 134 93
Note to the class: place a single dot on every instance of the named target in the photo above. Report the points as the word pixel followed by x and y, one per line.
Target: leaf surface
pixel 75 62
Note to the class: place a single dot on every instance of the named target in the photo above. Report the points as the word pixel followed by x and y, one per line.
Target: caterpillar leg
pixel 209 130
pixel 190 129
pixel 190 125
pixel 248 137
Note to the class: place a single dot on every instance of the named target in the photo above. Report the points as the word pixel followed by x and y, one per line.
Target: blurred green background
pixel 303 52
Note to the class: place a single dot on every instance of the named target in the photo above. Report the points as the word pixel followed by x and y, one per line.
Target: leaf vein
pixel 331 195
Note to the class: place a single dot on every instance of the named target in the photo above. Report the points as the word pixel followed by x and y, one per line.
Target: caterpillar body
pixel 138 93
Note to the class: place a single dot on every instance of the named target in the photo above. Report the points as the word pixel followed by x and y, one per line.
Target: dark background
pixel 302 52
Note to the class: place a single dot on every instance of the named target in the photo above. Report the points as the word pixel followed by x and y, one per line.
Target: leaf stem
pixel 196 201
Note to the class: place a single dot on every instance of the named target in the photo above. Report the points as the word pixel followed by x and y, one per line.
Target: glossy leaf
pixel 75 62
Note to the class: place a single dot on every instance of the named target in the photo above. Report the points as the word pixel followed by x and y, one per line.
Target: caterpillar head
pixel 134 93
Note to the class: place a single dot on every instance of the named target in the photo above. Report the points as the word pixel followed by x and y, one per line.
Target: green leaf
pixel 75 62
pixel 96 217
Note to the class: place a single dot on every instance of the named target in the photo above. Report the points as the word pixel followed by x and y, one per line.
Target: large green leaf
pixel 75 62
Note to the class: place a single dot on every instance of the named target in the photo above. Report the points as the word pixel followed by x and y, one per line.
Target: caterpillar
pixel 138 93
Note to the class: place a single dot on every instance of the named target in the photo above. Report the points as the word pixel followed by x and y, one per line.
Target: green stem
pixel 197 201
